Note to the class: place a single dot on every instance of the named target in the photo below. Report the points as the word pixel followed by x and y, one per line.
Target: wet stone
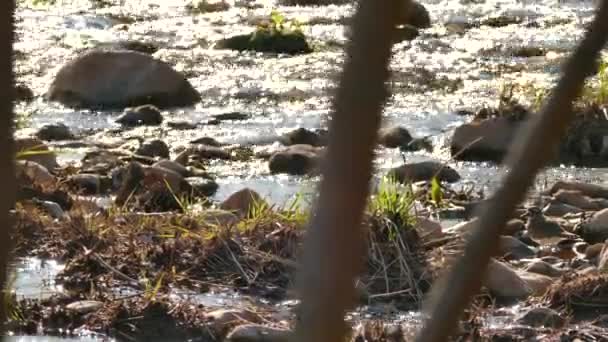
pixel 203 186
pixel 295 160
pixel 258 333
pixel 394 137
pixel 206 141
pixel 116 79
pixel 56 131
pixel 235 116
pixel 424 171
pixel 23 93
pixel 89 184
pixel 302 136
pixel 84 306
pixel 146 115
pixel 181 125
pixel 154 148
pixel 542 317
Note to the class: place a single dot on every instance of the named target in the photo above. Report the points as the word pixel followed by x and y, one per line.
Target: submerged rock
pixel 258 333
pixel 268 40
pixel 302 136
pixel 146 115
pixel 202 153
pixel 128 45
pixel 119 79
pixel 206 141
pixel 576 199
pixel 295 160
pixel 57 131
pixel 424 171
pixel 542 317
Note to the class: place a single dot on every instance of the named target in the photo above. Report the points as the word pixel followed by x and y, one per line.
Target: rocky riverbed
pixel 168 154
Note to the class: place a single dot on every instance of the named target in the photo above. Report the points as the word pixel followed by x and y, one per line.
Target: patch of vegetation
pixel 277 35
pixel 394 202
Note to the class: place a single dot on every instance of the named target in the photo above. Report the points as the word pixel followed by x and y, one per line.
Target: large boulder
pixel 494 134
pixel 119 79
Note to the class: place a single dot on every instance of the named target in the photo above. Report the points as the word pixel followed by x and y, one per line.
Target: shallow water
pixel 280 93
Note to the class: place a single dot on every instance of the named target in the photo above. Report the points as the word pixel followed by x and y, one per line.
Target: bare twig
pixel 541 136
pixel 334 253
pixel 7 149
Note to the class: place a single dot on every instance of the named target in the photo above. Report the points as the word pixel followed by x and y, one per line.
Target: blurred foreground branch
pixel 333 252
pixel 7 175
pixel 540 140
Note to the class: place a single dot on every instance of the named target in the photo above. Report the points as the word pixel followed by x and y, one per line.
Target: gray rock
pixel 173 166
pixel 295 160
pixel 202 153
pixel 84 306
pixel 206 141
pixel 89 184
pixel 258 333
pixel 424 171
pixel 56 131
pixel 503 281
pixel 542 317
pixel 394 137
pixel 118 79
pixel 52 208
pixel 595 230
pixel 417 16
pixel 486 140
pixel 514 248
pixel 544 268
pixel 302 136
pixel 146 115
pixel 154 148
pixel 203 186
pixel 559 209
pixel 34 173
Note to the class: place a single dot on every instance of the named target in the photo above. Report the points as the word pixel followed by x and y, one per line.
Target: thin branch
pixel 527 156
